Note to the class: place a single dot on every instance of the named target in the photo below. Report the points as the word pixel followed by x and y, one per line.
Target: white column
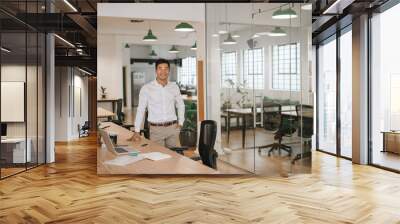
pixel 360 90
pixel 50 99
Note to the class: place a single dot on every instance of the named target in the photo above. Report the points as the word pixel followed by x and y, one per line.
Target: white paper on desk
pixel 124 160
pixel 155 156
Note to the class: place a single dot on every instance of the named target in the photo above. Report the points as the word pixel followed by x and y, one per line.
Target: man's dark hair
pixel 162 61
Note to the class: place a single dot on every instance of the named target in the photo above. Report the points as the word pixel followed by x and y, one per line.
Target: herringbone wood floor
pixel 69 191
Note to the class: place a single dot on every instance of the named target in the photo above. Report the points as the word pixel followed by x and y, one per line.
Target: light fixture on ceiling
pixel 173 50
pixel 127 45
pixel 256 35
pixel 64 40
pixel 194 47
pixel 277 32
pixel 5 50
pixel 84 71
pixel 229 40
pixel 184 27
pixel 150 37
pixel 70 5
pixel 335 6
pixel 235 35
pixel 215 35
pixel 153 54
pixel 226 30
pixel 306 7
pixel 288 13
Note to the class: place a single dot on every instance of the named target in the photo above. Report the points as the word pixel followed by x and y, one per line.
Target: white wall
pixel 67 115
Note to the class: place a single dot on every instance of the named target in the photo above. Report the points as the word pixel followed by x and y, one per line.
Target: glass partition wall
pixel 22 107
pixel 259 87
pixel 334 98
pixel 385 89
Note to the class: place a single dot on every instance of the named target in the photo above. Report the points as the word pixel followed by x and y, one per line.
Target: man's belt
pixel 164 124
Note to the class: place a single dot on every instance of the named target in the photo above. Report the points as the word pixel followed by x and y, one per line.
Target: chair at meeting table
pixel 121 117
pixel 208 134
pixel 287 126
pixel 305 130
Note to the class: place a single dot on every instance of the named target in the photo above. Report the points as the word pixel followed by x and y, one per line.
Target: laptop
pixel 110 146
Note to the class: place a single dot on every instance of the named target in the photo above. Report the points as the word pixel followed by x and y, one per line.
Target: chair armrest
pixel 195 158
pixel 179 149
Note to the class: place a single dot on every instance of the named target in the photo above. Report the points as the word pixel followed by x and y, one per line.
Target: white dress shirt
pixel 160 102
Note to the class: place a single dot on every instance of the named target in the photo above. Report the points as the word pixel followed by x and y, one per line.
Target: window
pixel 286 67
pixel 253 68
pixel 228 69
pixel 187 72
pixel 327 116
pixel 385 89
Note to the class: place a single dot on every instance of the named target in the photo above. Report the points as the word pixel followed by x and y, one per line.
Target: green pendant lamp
pixel 184 27
pixel 150 37
pixel 229 40
pixel 288 13
pixel 173 50
pixel 127 46
pixel 153 53
pixel 277 32
pixel 194 47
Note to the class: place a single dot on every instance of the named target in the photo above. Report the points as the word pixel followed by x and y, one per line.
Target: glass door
pixel 257 80
pixel 283 90
pixel 229 94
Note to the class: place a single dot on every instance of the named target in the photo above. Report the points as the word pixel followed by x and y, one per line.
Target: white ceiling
pixel 114 19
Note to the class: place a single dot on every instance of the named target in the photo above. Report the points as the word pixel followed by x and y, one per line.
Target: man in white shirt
pixel 160 98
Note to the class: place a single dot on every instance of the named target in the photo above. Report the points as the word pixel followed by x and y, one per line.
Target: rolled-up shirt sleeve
pixel 141 109
pixel 180 106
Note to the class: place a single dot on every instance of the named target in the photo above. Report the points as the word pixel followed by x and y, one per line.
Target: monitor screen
pixel 3 129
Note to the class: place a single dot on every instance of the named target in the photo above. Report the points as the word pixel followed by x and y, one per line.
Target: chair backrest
pixel 120 114
pixel 304 116
pixel 208 134
pixel 86 125
pixel 288 125
pixel 272 115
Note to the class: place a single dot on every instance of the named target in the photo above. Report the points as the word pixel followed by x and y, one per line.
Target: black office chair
pixel 208 134
pixel 121 117
pixel 287 127
pixel 83 131
pixel 272 116
pixel 305 130
pixel 146 127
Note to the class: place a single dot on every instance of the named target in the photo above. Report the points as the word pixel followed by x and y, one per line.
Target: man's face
pixel 162 72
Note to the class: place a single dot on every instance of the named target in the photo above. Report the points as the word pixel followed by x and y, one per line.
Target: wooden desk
pixel 177 164
pixel 243 112
pixel 391 141
pixel 103 113
pixel 112 101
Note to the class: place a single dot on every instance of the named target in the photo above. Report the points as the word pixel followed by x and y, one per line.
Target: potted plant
pixel 103 92
pixel 244 101
pixel 188 134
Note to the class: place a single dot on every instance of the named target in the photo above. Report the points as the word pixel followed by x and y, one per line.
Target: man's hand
pixel 135 137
